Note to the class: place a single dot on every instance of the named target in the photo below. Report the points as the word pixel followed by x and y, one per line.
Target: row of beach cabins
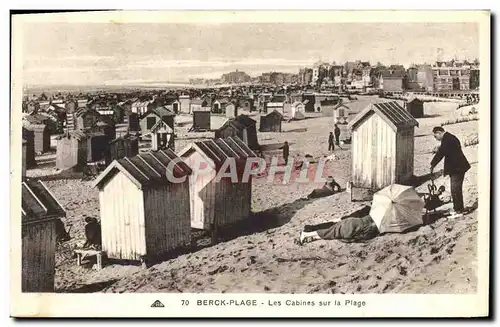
pixel 144 215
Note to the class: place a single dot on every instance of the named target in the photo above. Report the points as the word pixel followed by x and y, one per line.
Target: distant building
pixel 474 77
pixel 392 80
pixel 235 77
pixel 451 75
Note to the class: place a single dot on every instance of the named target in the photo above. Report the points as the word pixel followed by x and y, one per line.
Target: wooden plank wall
pixel 229 202
pixel 168 223
pixel 404 155
pixel 122 219
pixel 203 193
pixel 373 154
pixel 38 257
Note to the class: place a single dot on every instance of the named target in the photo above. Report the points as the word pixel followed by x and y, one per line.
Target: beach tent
pixel 396 208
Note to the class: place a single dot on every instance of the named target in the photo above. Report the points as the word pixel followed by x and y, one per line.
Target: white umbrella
pixel 396 208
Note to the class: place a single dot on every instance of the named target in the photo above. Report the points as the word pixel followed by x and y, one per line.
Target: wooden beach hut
pixel 231 110
pixel 297 111
pixel 125 146
pixel 415 107
pixel 382 146
pixel 158 123
pixel 85 119
pixel 132 121
pixel 341 113
pixel 216 203
pixel 201 120
pixel 144 211
pixel 29 137
pixel 153 116
pixel 71 150
pixel 41 138
pixel 106 127
pixel 271 122
pixel 243 127
pixel 39 212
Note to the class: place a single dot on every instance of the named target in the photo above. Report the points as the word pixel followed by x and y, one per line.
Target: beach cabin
pixel 106 127
pixel 216 203
pixel 297 111
pixel 415 107
pixel 279 103
pixel 125 146
pixel 231 110
pixel 271 122
pixel 243 127
pixel 41 138
pixel 196 105
pixel 85 118
pixel 327 106
pixel 151 118
pixel 29 137
pixel 71 150
pixel 201 120
pixel 219 105
pixel 97 146
pixel 185 104
pixel 246 104
pixel 173 105
pixel 341 113
pixel 132 121
pixel 144 205
pixel 382 146
pixel 39 212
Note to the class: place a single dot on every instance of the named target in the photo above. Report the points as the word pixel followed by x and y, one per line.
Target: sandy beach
pixel 437 258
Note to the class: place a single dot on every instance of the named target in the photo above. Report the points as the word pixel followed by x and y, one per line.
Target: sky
pixel 127 53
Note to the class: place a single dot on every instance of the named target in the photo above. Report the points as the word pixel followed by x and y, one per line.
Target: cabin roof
pixel 159 123
pixel 341 104
pixel 223 101
pixel 146 168
pixel 170 101
pixel 416 100
pixel 245 120
pixel 275 113
pixel 38 203
pixel 391 112
pixel 158 111
pixel 197 101
pixel 219 150
pixel 126 137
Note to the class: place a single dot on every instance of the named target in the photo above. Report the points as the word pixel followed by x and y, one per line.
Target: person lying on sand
pixel 358 226
pixel 330 187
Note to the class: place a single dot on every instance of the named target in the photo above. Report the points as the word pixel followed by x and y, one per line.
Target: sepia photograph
pixel 273 163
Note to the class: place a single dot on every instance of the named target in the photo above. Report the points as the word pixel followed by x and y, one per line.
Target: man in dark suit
pixel 331 143
pixel 455 165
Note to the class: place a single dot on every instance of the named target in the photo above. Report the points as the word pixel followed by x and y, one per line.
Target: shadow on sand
pixel 65 174
pixel 90 288
pixel 431 116
pixel 256 223
pixel 417 181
